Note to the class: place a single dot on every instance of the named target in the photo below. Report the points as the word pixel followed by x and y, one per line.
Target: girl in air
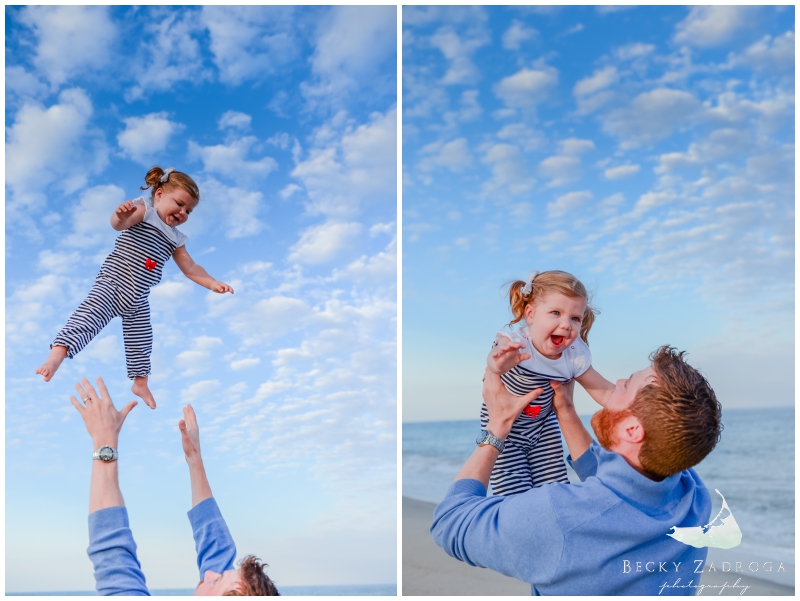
pixel 551 345
pixel 149 238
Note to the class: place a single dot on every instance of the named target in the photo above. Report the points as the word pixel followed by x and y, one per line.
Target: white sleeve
pixel 579 357
pixel 182 238
pixel 138 201
pixel 514 335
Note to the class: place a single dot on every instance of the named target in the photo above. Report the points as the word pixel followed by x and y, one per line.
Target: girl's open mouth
pixel 557 340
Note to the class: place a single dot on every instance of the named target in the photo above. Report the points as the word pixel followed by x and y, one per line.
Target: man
pixel 608 534
pixel 111 546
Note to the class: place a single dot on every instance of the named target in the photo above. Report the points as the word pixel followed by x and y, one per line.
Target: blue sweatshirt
pixel 113 552
pixel 604 536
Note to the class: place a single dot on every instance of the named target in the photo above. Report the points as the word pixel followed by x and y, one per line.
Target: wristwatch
pixel 106 454
pixel 486 437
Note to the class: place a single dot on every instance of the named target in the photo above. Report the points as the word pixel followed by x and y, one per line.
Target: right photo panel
pixel 598 300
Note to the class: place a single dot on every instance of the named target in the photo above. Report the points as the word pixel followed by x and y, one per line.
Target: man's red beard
pixel 604 424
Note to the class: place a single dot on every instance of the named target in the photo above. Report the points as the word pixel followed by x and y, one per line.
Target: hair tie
pixel 526 289
pixel 165 178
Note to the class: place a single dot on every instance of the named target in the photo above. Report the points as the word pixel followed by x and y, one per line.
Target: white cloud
pixel 170 54
pixel 199 391
pixel 527 87
pixel 599 80
pixel 652 116
pixel 453 155
pixel 230 159
pixel 235 120
pixel 323 243
pixel 525 136
pixel 768 54
pixel 566 167
pixel 236 209
pixel 147 136
pixel 458 50
pixel 90 216
pixel 352 43
pixel 508 170
pixel 21 83
pixel 621 172
pixel 568 202
pixel 341 175
pixel 707 26
pixel 52 145
pixel 65 49
pixel 240 364
pixel 270 318
pixel 516 34
pixel 633 51
pixel 198 359
pixel 250 42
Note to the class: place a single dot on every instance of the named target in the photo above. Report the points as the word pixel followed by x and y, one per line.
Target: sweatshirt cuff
pixel 109 518
pixel 585 465
pixel 466 486
pixel 204 511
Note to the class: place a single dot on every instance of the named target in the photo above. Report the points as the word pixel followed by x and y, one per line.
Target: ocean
pixel 342 590
pixel 752 466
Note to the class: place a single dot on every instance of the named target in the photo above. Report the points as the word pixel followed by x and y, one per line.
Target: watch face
pixel 481 437
pixel 106 454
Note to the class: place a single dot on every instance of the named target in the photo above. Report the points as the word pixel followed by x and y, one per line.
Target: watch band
pixel 486 437
pixel 106 454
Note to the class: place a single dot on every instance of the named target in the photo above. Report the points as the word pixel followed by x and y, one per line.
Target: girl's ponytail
pixel 158 178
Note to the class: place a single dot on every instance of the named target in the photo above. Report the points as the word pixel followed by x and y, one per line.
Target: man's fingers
pixel 103 390
pixel 533 394
pixel 92 393
pixel 127 408
pixel 81 392
pixel 76 404
pixel 182 426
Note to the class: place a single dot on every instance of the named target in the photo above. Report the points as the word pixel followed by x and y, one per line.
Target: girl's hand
pixel 221 287
pixel 506 356
pixel 125 209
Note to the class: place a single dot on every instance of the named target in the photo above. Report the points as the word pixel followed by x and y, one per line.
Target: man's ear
pixel 630 430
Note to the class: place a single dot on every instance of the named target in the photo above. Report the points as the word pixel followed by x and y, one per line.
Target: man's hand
pixel 220 287
pixel 502 406
pixel 563 396
pixel 506 356
pixel 103 421
pixel 190 434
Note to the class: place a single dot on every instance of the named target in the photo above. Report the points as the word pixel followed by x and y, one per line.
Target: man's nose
pixel 209 575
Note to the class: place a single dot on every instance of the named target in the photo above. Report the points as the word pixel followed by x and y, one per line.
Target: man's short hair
pixel 253 579
pixel 680 415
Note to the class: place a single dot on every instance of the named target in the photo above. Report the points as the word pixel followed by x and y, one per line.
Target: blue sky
pixel 286 118
pixel 647 150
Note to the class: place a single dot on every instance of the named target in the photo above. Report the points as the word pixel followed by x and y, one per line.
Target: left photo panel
pixel 201 300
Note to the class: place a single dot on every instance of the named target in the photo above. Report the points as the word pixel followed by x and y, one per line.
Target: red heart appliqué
pixel 150 265
pixel 532 411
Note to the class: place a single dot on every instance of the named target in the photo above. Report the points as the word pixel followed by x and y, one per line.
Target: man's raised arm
pixel 575 433
pixel 111 547
pixel 214 544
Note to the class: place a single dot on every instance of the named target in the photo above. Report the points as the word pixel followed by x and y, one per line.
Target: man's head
pixel 667 412
pixel 249 579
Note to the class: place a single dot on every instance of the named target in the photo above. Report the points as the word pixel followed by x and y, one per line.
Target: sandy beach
pixel 427 570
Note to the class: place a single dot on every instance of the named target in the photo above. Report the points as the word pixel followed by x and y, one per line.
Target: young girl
pixel 552 345
pixel 149 238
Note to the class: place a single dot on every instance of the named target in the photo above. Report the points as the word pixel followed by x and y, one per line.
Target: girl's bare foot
pixel 49 368
pixel 140 389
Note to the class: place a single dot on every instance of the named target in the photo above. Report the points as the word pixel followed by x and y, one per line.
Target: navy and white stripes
pixel 533 454
pixel 121 289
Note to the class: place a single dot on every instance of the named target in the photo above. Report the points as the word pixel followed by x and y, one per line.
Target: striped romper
pixel 533 454
pixel 122 288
